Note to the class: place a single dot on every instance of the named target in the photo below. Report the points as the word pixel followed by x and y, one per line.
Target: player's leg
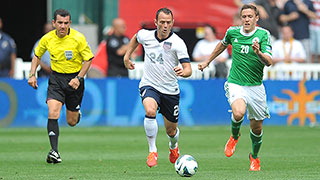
pixel 256 136
pixel 169 108
pixel 238 107
pixel 238 110
pixel 257 112
pixel 73 117
pixel 55 100
pixel 54 107
pixel 150 100
pixel 256 139
pixel 236 98
pixel 151 129
pixel 173 133
pixel 73 104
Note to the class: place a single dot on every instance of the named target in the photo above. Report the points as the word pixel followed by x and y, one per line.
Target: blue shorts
pixel 168 105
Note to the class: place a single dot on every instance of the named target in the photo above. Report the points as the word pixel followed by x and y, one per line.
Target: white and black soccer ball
pixel 186 166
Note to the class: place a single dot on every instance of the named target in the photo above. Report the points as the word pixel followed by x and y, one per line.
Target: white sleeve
pixel 182 51
pixel 140 36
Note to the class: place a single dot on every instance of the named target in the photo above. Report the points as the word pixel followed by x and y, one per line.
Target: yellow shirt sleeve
pixel 42 47
pixel 84 49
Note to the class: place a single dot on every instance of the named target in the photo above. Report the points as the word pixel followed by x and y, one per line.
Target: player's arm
pixel 185 71
pixel 85 67
pixel 32 81
pixel 75 82
pixel 216 52
pixel 133 44
pixel 265 58
pixel 13 58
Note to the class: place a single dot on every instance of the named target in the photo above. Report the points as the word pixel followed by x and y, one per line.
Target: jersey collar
pixel 247 34
pixel 161 40
pixel 69 30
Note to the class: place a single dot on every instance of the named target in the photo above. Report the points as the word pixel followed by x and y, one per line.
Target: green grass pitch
pixel 287 152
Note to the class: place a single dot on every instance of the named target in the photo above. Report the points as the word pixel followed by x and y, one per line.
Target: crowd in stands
pixel 294 26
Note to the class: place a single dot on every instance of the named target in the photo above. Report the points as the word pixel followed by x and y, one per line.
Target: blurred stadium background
pixel 116 102
pixel 99 148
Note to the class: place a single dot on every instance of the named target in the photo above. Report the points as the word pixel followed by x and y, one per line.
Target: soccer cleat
pixel 230 146
pixel 152 159
pixel 53 157
pixel 254 163
pixel 174 154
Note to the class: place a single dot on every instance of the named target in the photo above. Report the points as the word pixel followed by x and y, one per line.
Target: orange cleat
pixel 174 154
pixel 152 159
pixel 230 146
pixel 254 163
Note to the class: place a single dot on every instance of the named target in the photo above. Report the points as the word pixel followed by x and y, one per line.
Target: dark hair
pixel 211 27
pixel 61 12
pixel 249 6
pixel 286 25
pixel 164 10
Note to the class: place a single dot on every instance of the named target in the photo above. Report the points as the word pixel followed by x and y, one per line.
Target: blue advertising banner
pixel 116 102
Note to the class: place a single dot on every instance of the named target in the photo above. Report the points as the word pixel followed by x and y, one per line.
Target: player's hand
pixel 74 83
pixel 178 70
pixel 256 47
pixel 202 66
pixel 129 64
pixel 32 81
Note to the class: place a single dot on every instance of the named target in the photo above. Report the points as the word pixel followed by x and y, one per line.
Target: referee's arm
pixel 85 67
pixel 32 81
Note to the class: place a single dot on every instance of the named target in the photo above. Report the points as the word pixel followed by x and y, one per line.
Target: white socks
pixel 173 141
pixel 151 129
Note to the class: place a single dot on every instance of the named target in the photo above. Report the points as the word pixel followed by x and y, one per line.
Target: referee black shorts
pixel 59 89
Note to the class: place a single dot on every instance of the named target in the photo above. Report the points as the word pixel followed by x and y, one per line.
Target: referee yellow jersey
pixel 67 53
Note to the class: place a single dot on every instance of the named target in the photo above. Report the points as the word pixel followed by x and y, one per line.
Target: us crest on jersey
pixel 167 45
pixel 68 54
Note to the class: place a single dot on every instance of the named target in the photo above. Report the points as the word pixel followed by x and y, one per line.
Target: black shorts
pixel 168 104
pixel 59 89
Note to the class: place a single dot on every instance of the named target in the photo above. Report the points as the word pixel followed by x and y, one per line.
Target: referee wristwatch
pixel 79 78
pixel 31 74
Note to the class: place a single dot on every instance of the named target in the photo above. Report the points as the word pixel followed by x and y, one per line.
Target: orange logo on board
pixel 299 104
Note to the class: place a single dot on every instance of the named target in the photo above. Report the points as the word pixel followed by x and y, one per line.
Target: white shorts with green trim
pixel 254 96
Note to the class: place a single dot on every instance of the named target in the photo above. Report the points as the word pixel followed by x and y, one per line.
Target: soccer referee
pixel 70 60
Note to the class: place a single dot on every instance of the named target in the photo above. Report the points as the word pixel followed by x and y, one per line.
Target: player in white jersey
pixel 251 52
pixel 159 89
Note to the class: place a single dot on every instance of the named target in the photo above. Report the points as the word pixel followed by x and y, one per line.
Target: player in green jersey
pixel 251 52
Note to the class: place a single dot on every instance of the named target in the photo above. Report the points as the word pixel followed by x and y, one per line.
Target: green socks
pixel 256 143
pixel 235 128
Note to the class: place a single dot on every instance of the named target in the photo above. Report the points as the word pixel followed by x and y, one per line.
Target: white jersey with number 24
pixel 161 56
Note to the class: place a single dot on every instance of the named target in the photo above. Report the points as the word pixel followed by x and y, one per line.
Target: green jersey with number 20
pixel 246 68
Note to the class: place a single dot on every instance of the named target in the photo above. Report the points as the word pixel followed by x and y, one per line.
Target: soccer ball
pixel 186 166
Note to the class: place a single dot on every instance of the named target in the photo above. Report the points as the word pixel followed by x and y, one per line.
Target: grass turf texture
pixel 120 153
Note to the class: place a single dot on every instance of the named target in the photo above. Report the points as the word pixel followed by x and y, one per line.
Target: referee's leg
pixel 73 117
